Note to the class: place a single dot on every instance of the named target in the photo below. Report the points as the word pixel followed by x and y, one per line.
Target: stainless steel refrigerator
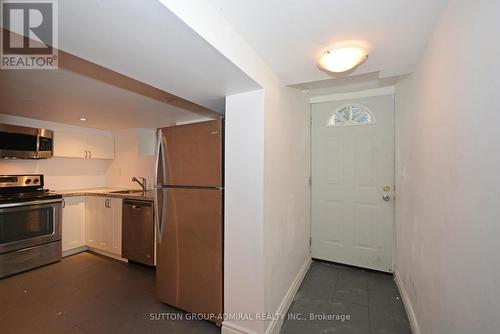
pixel 188 211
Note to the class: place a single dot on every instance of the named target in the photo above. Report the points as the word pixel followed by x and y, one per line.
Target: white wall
pixel 244 208
pixel 284 182
pixel 448 189
pixel 134 156
pixel 60 173
pixel 266 204
pixel 286 195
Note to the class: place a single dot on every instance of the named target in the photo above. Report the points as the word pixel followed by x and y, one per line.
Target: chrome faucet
pixel 142 184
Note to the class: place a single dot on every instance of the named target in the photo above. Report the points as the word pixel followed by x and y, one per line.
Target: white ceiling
pixel 291 34
pixel 145 41
pixel 142 40
pixel 64 96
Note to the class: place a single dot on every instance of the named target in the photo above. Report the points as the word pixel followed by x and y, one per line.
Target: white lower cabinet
pixel 116 245
pixel 73 223
pixel 103 221
pixel 92 220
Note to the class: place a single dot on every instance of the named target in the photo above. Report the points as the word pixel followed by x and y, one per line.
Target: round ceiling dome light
pixel 342 59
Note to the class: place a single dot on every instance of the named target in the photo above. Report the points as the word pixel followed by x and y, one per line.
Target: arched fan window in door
pixel 351 114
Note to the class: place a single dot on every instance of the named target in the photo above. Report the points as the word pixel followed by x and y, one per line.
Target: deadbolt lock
pixel 386 188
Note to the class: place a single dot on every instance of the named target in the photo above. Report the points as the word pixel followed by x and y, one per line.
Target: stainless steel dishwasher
pixel 138 231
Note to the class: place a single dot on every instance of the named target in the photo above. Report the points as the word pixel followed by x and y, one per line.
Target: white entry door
pixel 353 182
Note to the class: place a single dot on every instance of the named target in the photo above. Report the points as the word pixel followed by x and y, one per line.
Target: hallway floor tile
pixel 356 300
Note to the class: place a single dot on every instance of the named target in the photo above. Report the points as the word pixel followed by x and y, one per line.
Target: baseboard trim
pixel 415 329
pixel 275 325
pixel 107 254
pixel 74 251
pixel 231 328
pixel 82 249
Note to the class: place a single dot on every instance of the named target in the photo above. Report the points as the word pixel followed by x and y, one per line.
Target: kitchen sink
pixel 126 192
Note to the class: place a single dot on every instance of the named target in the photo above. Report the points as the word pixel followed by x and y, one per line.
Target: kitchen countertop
pixel 148 195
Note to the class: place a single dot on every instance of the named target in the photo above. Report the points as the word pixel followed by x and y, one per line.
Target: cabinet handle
pixel 86 154
pixel 90 154
pixel 64 203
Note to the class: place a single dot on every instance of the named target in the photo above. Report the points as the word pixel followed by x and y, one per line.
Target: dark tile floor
pixel 370 299
pixel 87 293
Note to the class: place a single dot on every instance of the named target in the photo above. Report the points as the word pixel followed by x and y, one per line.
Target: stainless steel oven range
pixel 30 224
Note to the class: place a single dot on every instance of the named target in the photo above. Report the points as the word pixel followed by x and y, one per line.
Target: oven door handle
pixel 13 205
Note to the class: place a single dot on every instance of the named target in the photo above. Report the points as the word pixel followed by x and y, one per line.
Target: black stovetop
pixel 26 196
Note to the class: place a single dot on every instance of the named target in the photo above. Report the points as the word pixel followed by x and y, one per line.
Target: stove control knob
pixel 36 181
pixel 28 181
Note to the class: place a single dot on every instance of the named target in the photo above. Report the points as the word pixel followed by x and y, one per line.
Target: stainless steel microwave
pixel 21 142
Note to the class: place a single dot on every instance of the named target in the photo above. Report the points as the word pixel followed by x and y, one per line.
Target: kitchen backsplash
pixel 61 173
pixel 134 156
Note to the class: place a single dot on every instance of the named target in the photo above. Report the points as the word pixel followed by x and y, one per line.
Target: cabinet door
pixel 92 217
pixel 116 246
pixel 73 223
pixel 105 224
pixel 101 147
pixel 69 145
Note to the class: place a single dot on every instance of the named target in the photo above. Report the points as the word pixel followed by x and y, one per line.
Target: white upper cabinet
pixel 75 145
pixel 101 147
pixel 69 145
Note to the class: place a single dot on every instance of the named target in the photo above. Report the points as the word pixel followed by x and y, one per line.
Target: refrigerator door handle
pixel 160 159
pixel 160 208
pixel 160 205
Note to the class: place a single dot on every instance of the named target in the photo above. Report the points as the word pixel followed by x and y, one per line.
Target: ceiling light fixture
pixel 342 59
pixel 83 119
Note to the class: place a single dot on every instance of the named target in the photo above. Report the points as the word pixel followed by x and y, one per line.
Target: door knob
pixel 386 197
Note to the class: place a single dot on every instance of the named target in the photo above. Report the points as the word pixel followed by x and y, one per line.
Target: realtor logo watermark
pixel 29 34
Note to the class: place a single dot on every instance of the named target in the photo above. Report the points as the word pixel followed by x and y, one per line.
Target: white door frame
pixel 386 90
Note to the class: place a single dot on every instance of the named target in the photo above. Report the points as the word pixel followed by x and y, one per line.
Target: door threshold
pixel 353 267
